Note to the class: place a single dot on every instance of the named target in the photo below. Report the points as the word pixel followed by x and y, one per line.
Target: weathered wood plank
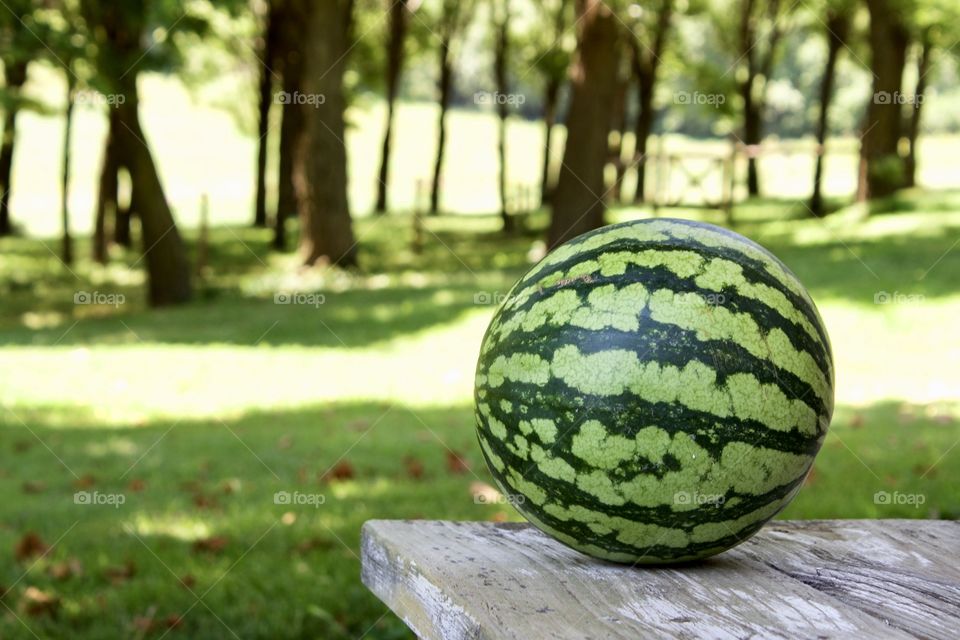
pixel 482 580
pixel 903 572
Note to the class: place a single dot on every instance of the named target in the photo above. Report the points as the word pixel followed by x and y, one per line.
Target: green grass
pixel 199 415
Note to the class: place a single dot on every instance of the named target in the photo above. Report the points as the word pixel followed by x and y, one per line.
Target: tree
pixel 399 11
pixel 119 38
pixel 931 37
pixel 836 27
pixel 760 32
pixel 17 49
pixel 500 25
pixel 107 207
pixel 292 17
pixel 326 233
pixel 881 167
pixel 267 59
pixel 578 204
pixel 449 27
pixel 649 32
pixel 551 58
pixel 66 253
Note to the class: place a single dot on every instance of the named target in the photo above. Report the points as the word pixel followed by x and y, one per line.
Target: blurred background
pixel 248 249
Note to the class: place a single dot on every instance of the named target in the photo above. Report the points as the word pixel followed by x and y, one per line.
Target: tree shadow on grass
pixel 201 514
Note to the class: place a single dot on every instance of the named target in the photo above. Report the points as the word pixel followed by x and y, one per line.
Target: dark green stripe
pixel 754 271
pixel 662 278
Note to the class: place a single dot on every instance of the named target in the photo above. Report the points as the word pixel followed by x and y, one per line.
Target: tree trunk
pixel 16 75
pixel 107 192
pixel 618 126
pixel 501 28
pixel 578 204
pixel 836 32
pixel 445 84
pixel 550 97
pixel 645 68
pixel 641 131
pixel 326 232
pixel 913 124
pixel 395 56
pixel 67 242
pixel 167 268
pixel 292 127
pixel 889 38
pixel 267 57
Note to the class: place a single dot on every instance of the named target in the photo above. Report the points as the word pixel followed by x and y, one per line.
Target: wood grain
pixel 803 579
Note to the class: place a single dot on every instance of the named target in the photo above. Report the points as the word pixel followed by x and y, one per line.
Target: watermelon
pixel 654 391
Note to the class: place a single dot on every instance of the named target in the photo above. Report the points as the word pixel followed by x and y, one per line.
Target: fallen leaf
pixel 231 486
pixel 30 545
pixel 499 516
pixel 456 464
pixel 856 421
pixel 85 481
pixel 414 467
pixel 137 485
pixel 202 501
pixel 65 570
pixel 119 574
pixel 213 544
pixel 188 580
pixel 37 603
pixel 34 486
pixel 310 544
pixel 343 470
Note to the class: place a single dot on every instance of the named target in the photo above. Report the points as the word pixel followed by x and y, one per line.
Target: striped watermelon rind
pixel 655 391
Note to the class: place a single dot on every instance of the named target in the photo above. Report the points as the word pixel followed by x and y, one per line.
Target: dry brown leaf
pixel 34 486
pixel 85 481
pixel 30 545
pixel 456 464
pixel 119 574
pixel 37 603
pixel 213 544
pixel 343 470
pixel 414 467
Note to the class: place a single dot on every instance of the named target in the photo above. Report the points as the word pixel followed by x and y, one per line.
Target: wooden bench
pixel 795 579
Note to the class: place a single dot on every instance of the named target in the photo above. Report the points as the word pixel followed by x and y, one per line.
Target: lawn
pixel 203 420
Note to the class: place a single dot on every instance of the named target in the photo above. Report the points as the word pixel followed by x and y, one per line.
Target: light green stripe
pixel 742 468
pixel 612 372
